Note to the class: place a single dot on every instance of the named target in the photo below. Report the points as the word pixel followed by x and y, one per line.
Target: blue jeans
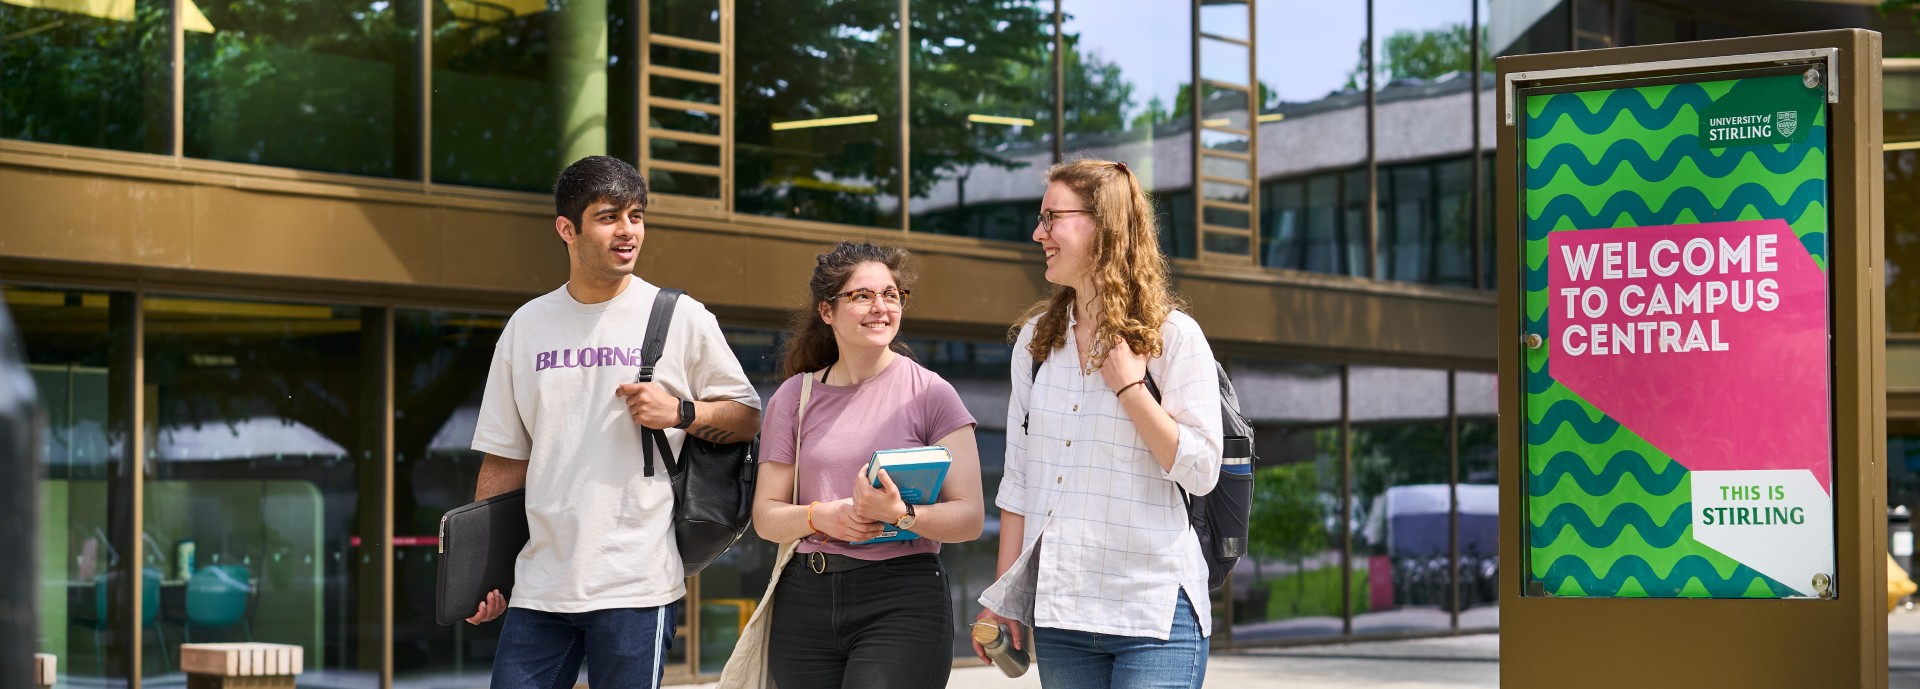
pixel 623 647
pixel 1070 659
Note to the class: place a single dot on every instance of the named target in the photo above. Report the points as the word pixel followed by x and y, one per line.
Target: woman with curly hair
pixel 1121 415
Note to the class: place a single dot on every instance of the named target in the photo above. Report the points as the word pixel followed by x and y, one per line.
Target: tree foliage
pixel 1427 55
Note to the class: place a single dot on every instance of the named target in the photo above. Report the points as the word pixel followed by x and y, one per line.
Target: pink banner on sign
pixel 1709 341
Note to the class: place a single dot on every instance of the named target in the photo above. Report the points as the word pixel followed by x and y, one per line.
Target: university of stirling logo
pixel 1786 121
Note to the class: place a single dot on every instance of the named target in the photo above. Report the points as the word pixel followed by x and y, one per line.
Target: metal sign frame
pixel 1666 642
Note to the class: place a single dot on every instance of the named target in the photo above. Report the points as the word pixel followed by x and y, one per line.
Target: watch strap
pixel 686 414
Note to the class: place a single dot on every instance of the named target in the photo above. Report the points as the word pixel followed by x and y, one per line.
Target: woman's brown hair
pixel 1129 273
pixel 810 345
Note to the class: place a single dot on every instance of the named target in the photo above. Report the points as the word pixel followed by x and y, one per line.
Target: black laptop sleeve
pixel 479 543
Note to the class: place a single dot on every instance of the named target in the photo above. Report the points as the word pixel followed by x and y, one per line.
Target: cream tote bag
pixel 747 667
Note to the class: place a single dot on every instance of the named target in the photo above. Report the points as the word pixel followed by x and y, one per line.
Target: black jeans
pixel 888 625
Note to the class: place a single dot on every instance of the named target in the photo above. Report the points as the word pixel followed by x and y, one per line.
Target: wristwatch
pixel 686 414
pixel 906 520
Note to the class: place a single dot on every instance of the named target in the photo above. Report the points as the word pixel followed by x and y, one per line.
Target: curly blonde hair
pixel 1129 272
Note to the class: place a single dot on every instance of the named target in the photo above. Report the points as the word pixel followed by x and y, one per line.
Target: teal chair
pixel 149 614
pixel 217 598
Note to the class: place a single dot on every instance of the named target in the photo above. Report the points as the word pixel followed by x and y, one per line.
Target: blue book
pixel 918 473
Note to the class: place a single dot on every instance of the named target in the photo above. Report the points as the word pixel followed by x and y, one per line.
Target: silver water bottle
pixel 993 637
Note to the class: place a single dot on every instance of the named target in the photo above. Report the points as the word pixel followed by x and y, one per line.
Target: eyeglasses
pixel 893 297
pixel 1047 218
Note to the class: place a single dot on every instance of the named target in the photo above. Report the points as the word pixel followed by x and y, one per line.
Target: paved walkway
pixel 1465 662
pixel 1451 663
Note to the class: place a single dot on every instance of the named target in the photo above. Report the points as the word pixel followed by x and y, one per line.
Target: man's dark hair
pixel 597 179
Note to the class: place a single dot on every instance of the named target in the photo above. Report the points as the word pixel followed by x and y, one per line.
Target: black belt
pixel 828 563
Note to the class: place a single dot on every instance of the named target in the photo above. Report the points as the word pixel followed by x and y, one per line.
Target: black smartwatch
pixel 686 414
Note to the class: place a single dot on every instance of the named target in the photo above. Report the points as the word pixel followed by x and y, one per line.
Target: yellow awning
pixel 118 10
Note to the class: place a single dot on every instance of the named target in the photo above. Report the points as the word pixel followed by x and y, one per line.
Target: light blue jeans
pixel 1087 660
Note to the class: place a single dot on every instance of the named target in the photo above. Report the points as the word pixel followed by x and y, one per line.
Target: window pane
pixel 1424 51
pixel 1325 243
pixel 1352 240
pixel 1230 168
pixel 1311 64
pixel 1131 104
pixel 695 19
pixel 1903 241
pixel 522 90
pixel 1224 62
pixel 1407 231
pixel 439 361
pixel 1225 18
pixel 1475 401
pixel 1224 243
pixel 982 115
pixel 1223 141
pixel 1227 217
pixel 1516 29
pixel 1489 224
pixel 1903 464
pixel 681 151
pixel 1283 217
pixel 818 108
pixel 684 89
pixel 1223 108
pixel 1222 191
pixel 692 121
pixel 684 183
pixel 1451 242
pixel 1313 132
pixel 264 477
pixel 1401 499
pixel 57 66
pixel 1289 586
pixel 682 58
pixel 321 86
pixel 68 338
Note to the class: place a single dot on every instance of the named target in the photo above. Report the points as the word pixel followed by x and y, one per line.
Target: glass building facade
pixel 260 284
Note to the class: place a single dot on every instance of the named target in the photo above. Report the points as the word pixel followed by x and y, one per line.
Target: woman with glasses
pixel 847 614
pixel 1120 403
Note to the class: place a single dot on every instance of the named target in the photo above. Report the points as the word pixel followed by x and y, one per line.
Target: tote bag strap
pixel 747 667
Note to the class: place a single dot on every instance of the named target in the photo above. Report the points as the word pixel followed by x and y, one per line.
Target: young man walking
pixel 600 578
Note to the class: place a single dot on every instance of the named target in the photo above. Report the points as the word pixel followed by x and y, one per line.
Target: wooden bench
pixel 44 670
pixel 240 666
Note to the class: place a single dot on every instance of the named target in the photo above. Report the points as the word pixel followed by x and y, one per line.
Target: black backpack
pixel 1220 517
pixel 712 482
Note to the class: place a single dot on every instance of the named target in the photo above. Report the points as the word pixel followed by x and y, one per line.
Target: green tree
pixel 971 58
pixel 1428 54
pixel 1097 94
pixel 1287 522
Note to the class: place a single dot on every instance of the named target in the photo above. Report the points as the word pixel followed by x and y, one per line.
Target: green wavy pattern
pixel 1626 539
pixel 1718 189
pixel 1617 522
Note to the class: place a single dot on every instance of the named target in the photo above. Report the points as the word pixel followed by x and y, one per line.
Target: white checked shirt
pixel 1107 545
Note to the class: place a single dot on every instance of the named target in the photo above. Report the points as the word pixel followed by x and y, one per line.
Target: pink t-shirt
pixel 906 405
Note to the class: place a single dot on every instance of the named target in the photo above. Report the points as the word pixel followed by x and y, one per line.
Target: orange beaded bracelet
pixel 810 526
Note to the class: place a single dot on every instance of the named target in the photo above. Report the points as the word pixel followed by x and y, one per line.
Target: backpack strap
pixel 651 349
pixel 1185 499
pixel 1032 378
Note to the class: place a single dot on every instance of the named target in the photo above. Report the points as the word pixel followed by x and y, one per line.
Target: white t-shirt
pixel 600 533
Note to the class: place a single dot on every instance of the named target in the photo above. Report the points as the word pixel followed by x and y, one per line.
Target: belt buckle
pixel 817 561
